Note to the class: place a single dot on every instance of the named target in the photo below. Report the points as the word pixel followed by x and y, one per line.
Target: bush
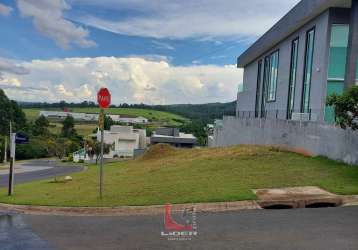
pixel 346 108
pixel 35 149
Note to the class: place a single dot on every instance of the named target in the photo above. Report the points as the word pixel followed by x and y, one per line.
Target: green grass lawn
pixel 182 176
pixel 83 129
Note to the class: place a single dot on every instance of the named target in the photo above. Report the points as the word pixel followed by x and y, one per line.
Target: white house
pixel 61 115
pixel 125 140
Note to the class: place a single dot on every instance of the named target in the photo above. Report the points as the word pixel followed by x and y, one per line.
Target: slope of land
pixel 167 175
pixel 157 118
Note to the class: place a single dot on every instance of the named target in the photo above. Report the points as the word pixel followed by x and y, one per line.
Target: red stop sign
pixel 104 98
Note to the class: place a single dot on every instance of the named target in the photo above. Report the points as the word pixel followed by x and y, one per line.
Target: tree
pixel 93 148
pixel 62 147
pixel 10 111
pixel 346 108
pixel 108 122
pixel 41 126
pixel 68 128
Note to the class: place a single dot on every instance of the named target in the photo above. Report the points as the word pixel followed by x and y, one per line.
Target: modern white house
pixel 174 137
pixel 125 140
pixel 289 72
pixel 126 143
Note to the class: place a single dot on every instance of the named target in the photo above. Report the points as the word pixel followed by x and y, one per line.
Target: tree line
pixel 43 143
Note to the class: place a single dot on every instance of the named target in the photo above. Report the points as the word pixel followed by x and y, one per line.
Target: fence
pixel 317 138
pixel 311 115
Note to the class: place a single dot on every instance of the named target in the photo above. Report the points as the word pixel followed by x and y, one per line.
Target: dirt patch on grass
pixel 296 150
pixel 158 151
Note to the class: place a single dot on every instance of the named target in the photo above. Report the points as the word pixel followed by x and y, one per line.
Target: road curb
pixel 128 210
pixel 345 200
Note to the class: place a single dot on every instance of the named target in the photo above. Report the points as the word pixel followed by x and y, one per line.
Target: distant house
pixel 60 115
pixel 173 137
pixel 125 140
pixel 133 120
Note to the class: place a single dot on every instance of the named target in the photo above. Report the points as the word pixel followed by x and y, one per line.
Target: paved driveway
pixel 316 229
pixel 37 170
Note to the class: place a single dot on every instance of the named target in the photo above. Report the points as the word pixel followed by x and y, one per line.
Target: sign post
pixel 15 138
pixel 104 100
pixel 12 159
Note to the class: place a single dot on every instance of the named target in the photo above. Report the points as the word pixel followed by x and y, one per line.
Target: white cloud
pixel 162 45
pixel 48 19
pixel 5 10
pixel 9 66
pixel 131 80
pixel 189 19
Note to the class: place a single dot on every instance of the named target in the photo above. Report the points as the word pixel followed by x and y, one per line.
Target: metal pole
pixel 11 170
pixel 5 150
pixel 101 165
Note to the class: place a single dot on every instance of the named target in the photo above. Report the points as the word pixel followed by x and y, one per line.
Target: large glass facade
pixel 337 64
pixel 306 93
pixel 272 84
pixel 293 74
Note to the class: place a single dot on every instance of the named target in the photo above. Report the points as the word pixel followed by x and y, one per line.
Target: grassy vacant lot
pixel 154 115
pixel 182 176
pixel 159 118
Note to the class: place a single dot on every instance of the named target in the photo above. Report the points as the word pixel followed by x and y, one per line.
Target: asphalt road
pixel 54 169
pixel 320 228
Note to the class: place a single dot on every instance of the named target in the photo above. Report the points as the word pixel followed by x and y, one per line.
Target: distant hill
pixel 204 112
pixel 207 112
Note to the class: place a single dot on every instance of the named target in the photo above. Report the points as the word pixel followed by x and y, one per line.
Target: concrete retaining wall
pixel 319 139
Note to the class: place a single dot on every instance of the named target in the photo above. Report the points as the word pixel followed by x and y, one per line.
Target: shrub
pixel 35 149
pixel 346 108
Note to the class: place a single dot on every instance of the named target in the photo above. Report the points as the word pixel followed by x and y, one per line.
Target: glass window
pixel 305 106
pixel 258 86
pixel 338 52
pixel 357 74
pixel 292 83
pixel 266 79
pixel 337 65
pixel 272 83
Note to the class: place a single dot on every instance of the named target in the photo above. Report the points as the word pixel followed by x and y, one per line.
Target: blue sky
pixel 193 45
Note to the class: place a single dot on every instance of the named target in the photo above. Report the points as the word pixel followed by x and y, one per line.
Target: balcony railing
pixel 296 115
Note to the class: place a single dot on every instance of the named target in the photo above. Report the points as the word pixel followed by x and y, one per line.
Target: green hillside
pixel 153 115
